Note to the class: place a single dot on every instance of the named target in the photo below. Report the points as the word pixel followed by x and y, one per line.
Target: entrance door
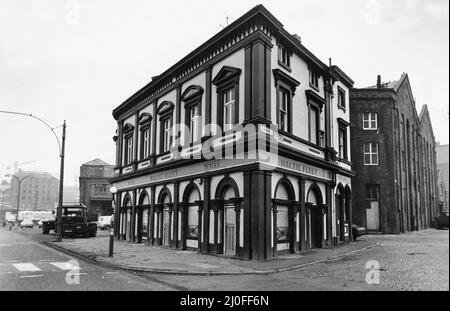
pixel 128 224
pixel 144 224
pixel 166 227
pixel 230 231
pixel 316 227
pixel 373 216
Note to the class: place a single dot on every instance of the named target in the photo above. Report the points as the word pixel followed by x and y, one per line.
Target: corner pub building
pixel 255 73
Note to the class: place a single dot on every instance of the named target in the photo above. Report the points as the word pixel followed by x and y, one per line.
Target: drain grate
pixel 413 254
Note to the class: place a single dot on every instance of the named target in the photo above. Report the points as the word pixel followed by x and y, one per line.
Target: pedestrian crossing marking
pixel 30 276
pixel 65 265
pixel 26 267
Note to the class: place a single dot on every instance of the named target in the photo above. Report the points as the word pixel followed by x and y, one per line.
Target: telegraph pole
pixel 61 188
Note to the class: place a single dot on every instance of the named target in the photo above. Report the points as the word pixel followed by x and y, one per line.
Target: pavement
pixel 145 258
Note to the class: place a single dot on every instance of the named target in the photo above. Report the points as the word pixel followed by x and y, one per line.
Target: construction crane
pixel 17 163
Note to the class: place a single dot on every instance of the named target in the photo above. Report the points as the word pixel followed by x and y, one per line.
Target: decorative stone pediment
pixel 145 118
pixel 128 128
pixel 165 107
pixel 282 78
pixel 192 92
pixel 225 74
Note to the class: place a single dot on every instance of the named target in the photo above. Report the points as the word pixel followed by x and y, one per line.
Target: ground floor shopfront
pixel 245 210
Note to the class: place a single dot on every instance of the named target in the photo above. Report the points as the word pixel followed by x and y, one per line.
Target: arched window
pixel 165 221
pixel 165 112
pixel 283 216
pixel 316 219
pixel 282 228
pixel 125 217
pixel 192 98
pixel 227 86
pixel 128 131
pixel 143 213
pixel 192 215
pixel 145 121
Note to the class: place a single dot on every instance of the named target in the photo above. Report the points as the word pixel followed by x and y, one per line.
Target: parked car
pixel 26 223
pixel 442 220
pixel 105 222
pixel 358 231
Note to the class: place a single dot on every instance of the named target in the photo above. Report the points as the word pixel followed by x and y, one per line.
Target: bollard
pixel 111 242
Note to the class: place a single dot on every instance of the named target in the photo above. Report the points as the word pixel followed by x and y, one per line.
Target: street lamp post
pixel 19 182
pixel 61 188
pixel 113 191
pixel 61 179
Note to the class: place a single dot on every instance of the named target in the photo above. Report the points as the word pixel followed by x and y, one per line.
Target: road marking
pixel 65 266
pixel 30 276
pixel 5 245
pixel 25 267
pixel 11 261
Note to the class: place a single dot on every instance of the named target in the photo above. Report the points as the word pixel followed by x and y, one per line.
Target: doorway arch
pixel 164 217
pixel 142 217
pixel 340 212
pixel 191 218
pixel 315 217
pixel 228 215
pixel 125 218
pixel 284 216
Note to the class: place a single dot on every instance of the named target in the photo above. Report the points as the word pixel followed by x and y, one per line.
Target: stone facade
pixel 398 193
pixel 94 187
pixel 253 80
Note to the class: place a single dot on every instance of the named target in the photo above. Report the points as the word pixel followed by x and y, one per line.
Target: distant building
pixel 71 194
pixel 394 156
pixel 443 168
pixel 38 190
pixel 5 195
pixel 94 187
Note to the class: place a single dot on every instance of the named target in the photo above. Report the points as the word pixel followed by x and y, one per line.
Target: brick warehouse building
pixel 393 151
pixel 252 73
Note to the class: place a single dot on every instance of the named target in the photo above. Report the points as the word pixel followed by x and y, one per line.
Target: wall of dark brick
pixel 382 103
pixel 406 173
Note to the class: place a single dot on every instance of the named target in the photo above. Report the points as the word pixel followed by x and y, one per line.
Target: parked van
pixel 105 222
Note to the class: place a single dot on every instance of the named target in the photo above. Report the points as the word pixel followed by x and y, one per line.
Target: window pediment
pixel 165 107
pixel 128 129
pixel 191 93
pixel 145 119
pixel 313 96
pixel 282 77
pixel 342 122
pixel 225 74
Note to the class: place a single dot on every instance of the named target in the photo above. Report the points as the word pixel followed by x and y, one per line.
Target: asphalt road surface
pixel 413 261
pixel 26 265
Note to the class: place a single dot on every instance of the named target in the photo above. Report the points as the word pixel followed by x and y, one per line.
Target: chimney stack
pixel 379 82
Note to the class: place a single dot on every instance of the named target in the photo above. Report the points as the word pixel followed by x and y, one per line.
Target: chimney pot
pixel 379 82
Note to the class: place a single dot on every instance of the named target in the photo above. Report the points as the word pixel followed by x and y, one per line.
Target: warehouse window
pixel 370 121
pixel 370 154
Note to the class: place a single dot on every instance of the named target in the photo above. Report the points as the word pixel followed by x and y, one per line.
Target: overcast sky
pixel 76 60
